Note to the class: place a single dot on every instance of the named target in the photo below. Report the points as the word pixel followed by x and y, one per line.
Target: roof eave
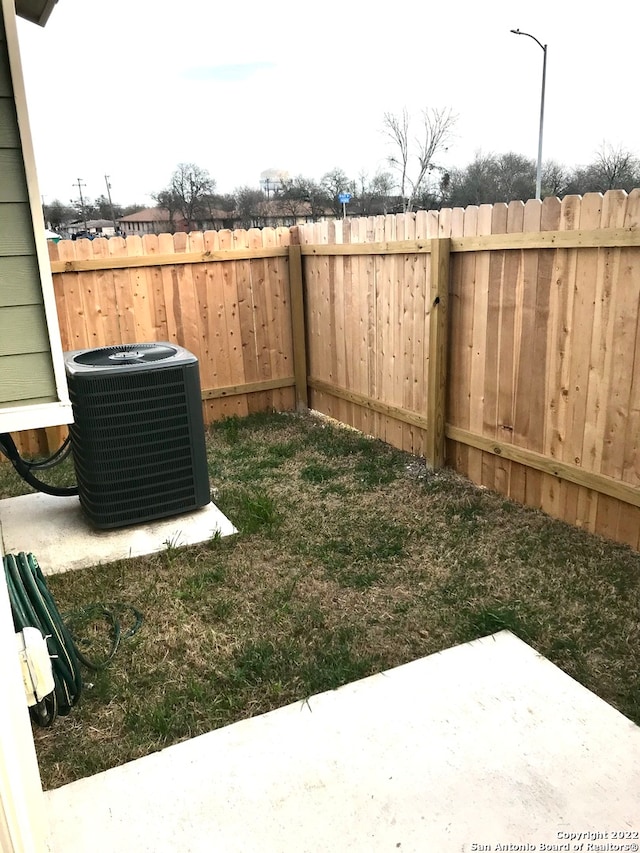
pixel 36 11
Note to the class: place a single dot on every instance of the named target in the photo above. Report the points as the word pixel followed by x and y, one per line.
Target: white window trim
pixel 37 416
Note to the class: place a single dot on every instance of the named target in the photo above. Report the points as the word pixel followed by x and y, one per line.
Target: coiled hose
pixel 32 605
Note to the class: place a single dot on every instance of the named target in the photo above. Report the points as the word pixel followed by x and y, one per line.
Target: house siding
pixel 26 366
pixel 26 294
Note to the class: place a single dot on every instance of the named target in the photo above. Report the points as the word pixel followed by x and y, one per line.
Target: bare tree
pixel 492 178
pixel 373 195
pixel 413 156
pixel 304 194
pixel 396 129
pixel 612 169
pixel 332 184
pixel 251 206
pixel 167 200
pixel 617 168
pixel 128 209
pixel 107 210
pixel 188 192
pixel 295 195
pixel 555 179
pixel 58 215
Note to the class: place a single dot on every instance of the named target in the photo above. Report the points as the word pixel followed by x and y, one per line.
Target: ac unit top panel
pixel 129 358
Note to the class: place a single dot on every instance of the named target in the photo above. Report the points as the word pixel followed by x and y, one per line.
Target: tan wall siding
pixel 26 370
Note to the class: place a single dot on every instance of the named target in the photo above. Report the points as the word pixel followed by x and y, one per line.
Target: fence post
pixel 437 372
pixel 298 328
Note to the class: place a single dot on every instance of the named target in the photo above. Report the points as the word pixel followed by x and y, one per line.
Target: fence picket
pixel 229 301
pixel 489 409
pixel 618 458
pixel 529 326
pixel 477 355
pixel 588 275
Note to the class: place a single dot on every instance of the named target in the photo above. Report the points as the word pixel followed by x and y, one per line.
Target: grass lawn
pixel 351 558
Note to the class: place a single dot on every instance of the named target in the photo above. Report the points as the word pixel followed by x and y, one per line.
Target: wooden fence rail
pixel 502 339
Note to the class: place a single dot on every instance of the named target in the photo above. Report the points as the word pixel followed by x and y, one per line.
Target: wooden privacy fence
pixel 511 330
pixel 234 315
pixel 542 381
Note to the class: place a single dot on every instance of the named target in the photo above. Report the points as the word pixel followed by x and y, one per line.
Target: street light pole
pixel 544 78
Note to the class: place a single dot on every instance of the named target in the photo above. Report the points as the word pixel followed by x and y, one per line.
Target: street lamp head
pixel 537 41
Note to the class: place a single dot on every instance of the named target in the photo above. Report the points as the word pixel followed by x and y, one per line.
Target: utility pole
pixel 79 184
pixel 113 215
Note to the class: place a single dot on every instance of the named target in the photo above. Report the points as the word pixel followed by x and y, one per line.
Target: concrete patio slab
pixel 57 532
pixel 486 746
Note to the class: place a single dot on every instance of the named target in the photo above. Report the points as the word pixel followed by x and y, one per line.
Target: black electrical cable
pixel 8 447
pixel 55 459
pixel 33 606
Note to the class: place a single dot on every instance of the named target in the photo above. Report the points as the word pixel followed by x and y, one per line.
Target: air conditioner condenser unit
pixel 138 437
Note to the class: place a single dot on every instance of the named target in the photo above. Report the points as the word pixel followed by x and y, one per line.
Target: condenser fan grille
pixel 126 354
pixel 138 435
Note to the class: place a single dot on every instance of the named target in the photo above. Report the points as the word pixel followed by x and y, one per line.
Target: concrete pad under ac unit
pixel 55 530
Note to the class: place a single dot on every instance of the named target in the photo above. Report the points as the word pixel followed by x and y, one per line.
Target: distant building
pixel 278 213
pixel 158 220
pixel 151 220
pixel 92 228
pixel 273 213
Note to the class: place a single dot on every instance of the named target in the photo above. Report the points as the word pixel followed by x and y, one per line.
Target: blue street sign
pixel 344 198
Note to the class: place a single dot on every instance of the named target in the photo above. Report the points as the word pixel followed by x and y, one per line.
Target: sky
pixel 131 88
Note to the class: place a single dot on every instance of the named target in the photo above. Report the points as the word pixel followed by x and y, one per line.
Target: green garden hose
pixel 33 606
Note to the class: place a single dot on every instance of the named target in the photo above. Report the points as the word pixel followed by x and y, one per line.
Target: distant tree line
pixel 494 178
pixel 415 180
pixel 488 179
